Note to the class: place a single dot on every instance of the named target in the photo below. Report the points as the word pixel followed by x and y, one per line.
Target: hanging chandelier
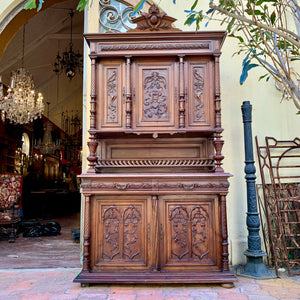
pixel 70 62
pixel 47 145
pixel 20 105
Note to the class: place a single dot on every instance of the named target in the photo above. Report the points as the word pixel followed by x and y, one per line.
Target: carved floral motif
pixel 155 185
pixel 198 94
pixel 132 232
pixel 178 216
pixel 199 218
pixel 112 95
pixel 162 46
pixel 189 228
pixel 155 95
pixel 111 221
pixel 125 223
pixel 154 20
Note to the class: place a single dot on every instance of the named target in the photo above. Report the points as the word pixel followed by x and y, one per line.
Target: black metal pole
pixel 255 266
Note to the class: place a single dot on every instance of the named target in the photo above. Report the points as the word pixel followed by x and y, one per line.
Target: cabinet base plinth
pixel 155 278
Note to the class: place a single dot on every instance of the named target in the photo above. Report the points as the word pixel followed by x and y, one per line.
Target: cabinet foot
pixel 85 284
pixel 227 285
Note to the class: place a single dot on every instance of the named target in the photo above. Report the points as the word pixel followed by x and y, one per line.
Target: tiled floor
pixel 44 268
pixel 57 284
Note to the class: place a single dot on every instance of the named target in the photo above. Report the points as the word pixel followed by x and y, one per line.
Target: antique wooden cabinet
pixel 155 192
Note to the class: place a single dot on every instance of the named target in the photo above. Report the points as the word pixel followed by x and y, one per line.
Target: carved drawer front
pixel 200 93
pixel 189 230
pixel 154 88
pixel 110 112
pixel 120 232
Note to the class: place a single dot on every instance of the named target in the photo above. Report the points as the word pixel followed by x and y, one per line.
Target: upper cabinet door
pixel 199 84
pixel 154 90
pixel 110 110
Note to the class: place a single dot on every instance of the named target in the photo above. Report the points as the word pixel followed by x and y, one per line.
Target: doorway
pixel 50 186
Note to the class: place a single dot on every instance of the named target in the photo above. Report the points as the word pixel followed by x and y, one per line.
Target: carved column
pixel 128 94
pixel 155 249
pixel 86 235
pixel 181 94
pixel 92 143
pixel 218 142
pixel 225 266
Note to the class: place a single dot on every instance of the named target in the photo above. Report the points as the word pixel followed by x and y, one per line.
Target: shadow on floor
pixel 59 251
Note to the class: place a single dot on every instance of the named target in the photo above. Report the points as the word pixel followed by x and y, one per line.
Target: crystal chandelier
pixel 47 146
pixel 70 61
pixel 20 105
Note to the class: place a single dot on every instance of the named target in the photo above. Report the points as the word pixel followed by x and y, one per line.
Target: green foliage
pixel 31 4
pixel 138 7
pixel 260 26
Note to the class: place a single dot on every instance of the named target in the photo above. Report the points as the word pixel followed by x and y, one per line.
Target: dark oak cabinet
pixel 155 191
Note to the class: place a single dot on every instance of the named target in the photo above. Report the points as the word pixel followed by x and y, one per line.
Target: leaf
pixel 138 7
pixel 190 20
pixel 210 11
pixel 273 17
pixel 82 4
pixel 241 39
pixel 247 67
pixel 40 5
pixel 262 77
pixel 229 26
pixel 194 5
pixel 30 4
pixel 298 113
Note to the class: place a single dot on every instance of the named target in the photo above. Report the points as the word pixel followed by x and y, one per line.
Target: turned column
pixel 92 143
pixel 181 94
pixel 218 141
pixel 86 235
pixel 128 102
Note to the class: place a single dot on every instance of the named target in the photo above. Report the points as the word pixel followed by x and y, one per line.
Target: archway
pixel 46 189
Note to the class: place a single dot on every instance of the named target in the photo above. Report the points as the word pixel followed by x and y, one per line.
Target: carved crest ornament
pixel 154 20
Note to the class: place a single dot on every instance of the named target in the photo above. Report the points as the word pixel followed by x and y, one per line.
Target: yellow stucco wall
pixel 270 116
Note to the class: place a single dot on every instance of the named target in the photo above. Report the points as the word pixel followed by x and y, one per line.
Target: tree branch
pixel 248 21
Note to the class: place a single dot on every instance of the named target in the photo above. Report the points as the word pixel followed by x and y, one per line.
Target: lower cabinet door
pixel 190 236
pixel 119 239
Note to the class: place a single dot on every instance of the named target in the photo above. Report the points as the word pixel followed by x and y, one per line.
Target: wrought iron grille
pixel 115 16
pixel 279 163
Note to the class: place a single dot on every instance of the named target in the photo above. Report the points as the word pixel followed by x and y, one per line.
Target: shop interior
pixel 44 145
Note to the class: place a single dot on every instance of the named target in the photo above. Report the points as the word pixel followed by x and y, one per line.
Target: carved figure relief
pixel 199 218
pixel 111 224
pixel 155 95
pixel 189 232
pixel 198 94
pixel 112 95
pixel 178 217
pixel 132 233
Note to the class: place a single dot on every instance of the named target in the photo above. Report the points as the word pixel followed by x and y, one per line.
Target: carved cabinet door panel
pixel 110 110
pixel 155 88
pixel 120 238
pixel 200 93
pixel 190 231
